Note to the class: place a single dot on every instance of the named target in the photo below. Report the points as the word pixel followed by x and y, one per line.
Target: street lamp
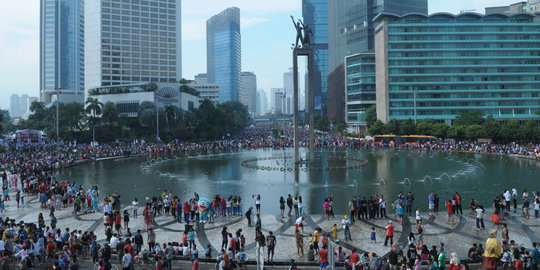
pixel 414 95
pixel 57 114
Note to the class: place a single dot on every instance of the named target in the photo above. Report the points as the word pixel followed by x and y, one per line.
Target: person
pixel 535 256
pixel 151 238
pixel 258 223
pixel 135 207
pixel 455 263
pixel 258 204
pixel 248 215
pixel 282 206
pixel 450 211
pixel 525 208
pixel 126 260
pixel 504 233
pixel 289 205
pixel 323 259
pixel 138 239
pixel 346 223
pixel 418 262
pixel 195 262
pixel 271 245
pixel 389 233
pixel 334 232
pixel 373 236
pixel 299 223
pixel 261 241
pixel 299 238
pixel 480 217
pixel 420 233
pixel 393 257
pixel 492 251
pixel 514 198
pixel 410 200
pixel 431 204
pixel 354 258
pixel 459 209
pixel 442 258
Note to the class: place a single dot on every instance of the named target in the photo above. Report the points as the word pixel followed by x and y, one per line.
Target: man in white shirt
pixel 346 228
pixel 126 260
pixel 507 199
pixel 480 218
pixel 114 241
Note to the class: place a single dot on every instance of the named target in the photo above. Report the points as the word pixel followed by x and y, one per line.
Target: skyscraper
pixel 62 49
pixel 130 42
pixel 223 53
pixel 248 91
pixel 315 14
pixel 351 31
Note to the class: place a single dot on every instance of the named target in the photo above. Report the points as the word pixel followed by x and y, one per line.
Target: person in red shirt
pixel 450 211
pixel 354 258
pixel 323 258
pixel 495 218
pixel 195 265
pixel 389 233
pixel 158 264
pixel 118 222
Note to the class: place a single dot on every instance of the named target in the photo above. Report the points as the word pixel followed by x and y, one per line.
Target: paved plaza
pixel 457 237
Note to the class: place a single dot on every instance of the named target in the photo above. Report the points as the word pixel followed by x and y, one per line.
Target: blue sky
pixel 266 31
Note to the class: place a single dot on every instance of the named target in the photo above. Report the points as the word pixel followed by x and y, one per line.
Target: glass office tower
pixel 351 31
pixel 61 48
pixel 433 67
pixel 223 53
pixel 315 14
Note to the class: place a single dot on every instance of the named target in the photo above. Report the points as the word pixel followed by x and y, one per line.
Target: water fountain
pixel 381 182
pixel 406 181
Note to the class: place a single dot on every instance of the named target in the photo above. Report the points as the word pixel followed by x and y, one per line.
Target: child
pixel 208 252
pixel 22 201
pixel 373 237
pixel 334 231
pixel 495 218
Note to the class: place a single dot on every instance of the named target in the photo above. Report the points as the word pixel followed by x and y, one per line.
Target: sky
pixel 266 32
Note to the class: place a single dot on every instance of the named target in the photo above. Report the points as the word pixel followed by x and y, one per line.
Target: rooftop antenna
pixel 467 11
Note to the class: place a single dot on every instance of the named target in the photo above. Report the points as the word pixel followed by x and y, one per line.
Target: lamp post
pixel 157 115
pixel 414 96
pixel 57 114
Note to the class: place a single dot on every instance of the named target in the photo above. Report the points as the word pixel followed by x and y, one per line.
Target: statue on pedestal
pixel 302 34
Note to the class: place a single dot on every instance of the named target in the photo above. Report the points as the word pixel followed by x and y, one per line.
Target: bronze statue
pixel 299 29
pixel 307 32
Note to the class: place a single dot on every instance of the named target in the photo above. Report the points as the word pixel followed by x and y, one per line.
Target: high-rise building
pixel 469 62
pixel 288 85
pixel 14 106
pixel 530 6
pixel 223 53
pixel 129 42
pixel 351 31
pixel 61 50
pixel 262 102
pixel 315 14
pixel 360 89
pixel 248 91
pixel 277 97
pixel 201 78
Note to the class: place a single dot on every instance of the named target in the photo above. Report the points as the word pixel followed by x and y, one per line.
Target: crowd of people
pixel 31 170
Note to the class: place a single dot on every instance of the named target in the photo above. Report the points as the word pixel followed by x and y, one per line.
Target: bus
pixel 419 139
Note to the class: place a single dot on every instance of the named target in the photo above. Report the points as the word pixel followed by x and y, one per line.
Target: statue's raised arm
pixel 299 36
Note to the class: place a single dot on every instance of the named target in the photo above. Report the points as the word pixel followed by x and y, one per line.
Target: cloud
pixel 247 22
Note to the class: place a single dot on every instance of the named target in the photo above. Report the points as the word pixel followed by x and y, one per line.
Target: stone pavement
pixel 457 237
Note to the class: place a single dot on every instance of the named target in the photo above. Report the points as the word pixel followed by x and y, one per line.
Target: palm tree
pixel 37 107
pixel 93 106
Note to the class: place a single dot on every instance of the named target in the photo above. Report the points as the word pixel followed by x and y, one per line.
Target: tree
pixel 527 132
pixel 377 128
pixel 147 114
pixel 110 113
pixel 456 132
pixel 339 128
pixel 37 107
pixel 467 118
pixel 440 130
pixel 473 132
pixel 408 127
pixel 93 106
pixel 393 127
pixel 491 128
pixel 424 128
pixel 371 116
pixel 509 130
pixel 321 122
